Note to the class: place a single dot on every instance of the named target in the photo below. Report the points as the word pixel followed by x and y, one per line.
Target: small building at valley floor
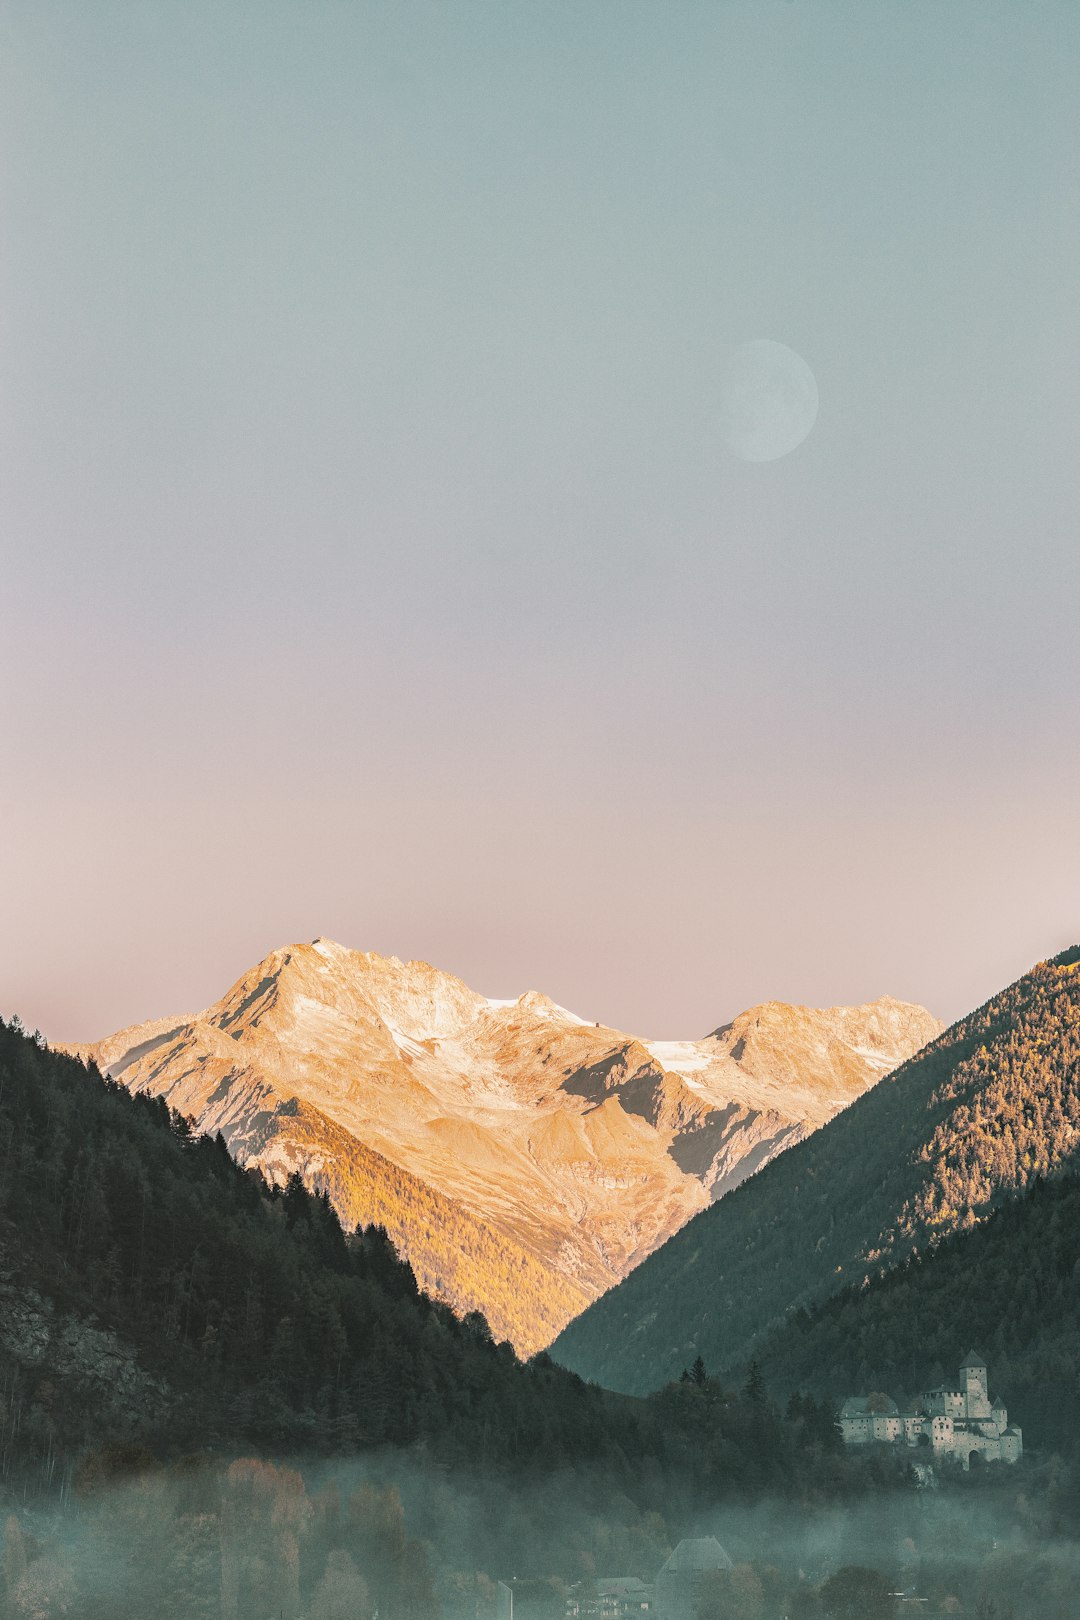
pixel 682 1582
pixel 676 1594
pixel 615 1597
pixel 958 1424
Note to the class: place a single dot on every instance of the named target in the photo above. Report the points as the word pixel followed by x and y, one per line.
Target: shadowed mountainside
pixel 985 1108
pixel 1010 1283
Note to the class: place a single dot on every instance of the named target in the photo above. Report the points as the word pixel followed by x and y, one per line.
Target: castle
pixel 959 1424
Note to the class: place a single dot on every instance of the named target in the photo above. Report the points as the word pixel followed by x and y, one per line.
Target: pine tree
pixel 754 1389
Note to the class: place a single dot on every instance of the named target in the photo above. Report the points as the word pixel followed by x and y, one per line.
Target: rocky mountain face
pixel 523 1159
pixel 963 1127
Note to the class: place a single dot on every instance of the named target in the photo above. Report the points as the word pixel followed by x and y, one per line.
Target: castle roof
pixel 973 1362
pixel 697 1553
pixel 859 1406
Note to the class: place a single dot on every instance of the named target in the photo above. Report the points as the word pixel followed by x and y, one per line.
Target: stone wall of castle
pixel 959 1425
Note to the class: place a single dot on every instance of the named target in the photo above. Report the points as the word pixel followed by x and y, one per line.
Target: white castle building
pixel 961 1424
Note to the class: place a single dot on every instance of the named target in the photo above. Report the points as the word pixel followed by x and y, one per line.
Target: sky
pixel 372 564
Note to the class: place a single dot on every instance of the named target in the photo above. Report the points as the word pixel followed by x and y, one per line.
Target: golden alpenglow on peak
pixel 523 1159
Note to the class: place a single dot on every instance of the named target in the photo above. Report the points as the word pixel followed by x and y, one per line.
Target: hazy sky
pixel 372 565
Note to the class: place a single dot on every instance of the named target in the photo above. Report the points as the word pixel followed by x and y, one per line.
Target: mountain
pixel 974 1117
pixel 522 1159
pixel 153 1293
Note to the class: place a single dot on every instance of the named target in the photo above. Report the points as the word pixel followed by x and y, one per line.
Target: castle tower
pixel 973 1378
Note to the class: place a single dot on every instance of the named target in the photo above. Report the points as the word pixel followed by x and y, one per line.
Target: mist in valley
pixel 397 1537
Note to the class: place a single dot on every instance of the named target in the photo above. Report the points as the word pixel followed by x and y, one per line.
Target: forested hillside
pixel 164 1315
pixel 1010 1286
pixel 976 1116
pixel 153 1292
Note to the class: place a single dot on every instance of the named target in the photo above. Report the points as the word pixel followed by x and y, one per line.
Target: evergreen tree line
pixel 188 1304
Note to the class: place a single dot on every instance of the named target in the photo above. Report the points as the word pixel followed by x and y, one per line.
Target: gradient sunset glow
pixel 372 562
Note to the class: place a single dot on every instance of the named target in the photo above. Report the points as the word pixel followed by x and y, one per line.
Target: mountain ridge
pixel 553 1145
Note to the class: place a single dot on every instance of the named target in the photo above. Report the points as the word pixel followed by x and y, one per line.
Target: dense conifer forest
pixel 214 1402
pixel 212 1398
pixel 978 1115
pixel 156 1293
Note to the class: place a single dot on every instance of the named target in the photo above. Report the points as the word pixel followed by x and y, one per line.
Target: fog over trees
pixel 213 1401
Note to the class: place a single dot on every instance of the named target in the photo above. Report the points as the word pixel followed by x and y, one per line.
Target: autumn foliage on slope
pixel 971 1120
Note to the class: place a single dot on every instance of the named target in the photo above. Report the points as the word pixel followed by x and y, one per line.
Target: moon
pixel 769 400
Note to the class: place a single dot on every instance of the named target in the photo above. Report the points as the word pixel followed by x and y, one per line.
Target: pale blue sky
pixel 372 565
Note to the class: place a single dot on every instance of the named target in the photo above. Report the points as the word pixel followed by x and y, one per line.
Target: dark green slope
pixel 163 1314
pixel 153 1294
pixel 1010 1286
pixel 151 1289
pixel 980 1112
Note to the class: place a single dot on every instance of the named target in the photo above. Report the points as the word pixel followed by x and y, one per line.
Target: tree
pixel 46 1591
pixel 475 1325
pixel 264 1512
pixel 732 1594
pixel 698 1373
pixel 754 1389
pixel 855 1593
pixel 14 1560
pixel 342 1593
pixel 987 1609
pixel 804 1603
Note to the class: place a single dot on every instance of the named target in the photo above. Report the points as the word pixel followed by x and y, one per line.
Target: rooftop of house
pixel 697 1553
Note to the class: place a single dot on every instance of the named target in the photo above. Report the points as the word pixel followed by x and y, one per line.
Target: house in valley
pixel 682 1582
pixel 614 1597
